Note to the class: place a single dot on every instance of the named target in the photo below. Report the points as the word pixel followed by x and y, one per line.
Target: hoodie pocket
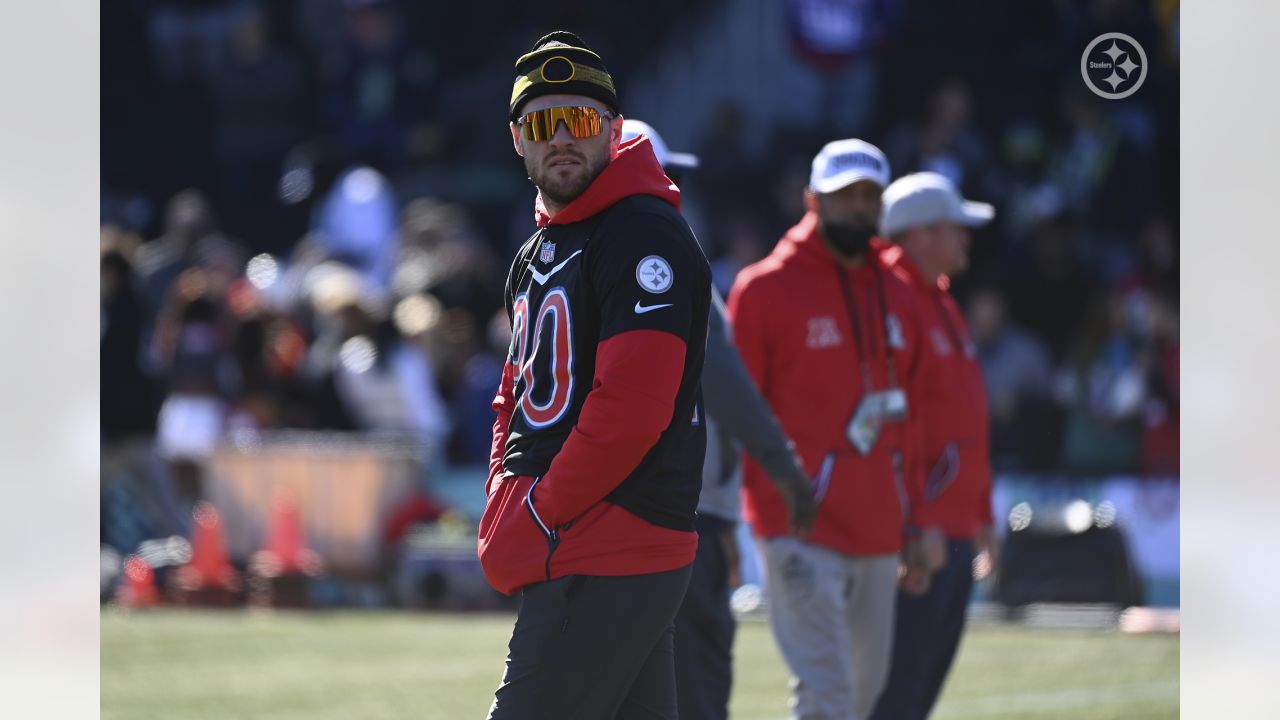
pixel 515 542
pixel 861 497
pixel 551 534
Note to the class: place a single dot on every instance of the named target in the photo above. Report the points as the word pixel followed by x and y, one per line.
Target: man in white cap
pixel 929 223
pixel 736 413
pixel 833 342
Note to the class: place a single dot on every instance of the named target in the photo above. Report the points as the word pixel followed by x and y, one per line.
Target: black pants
pixel 705 628
pixel 926 636
pixel 594 648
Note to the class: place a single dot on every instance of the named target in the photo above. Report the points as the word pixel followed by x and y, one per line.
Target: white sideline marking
pixel 1055 701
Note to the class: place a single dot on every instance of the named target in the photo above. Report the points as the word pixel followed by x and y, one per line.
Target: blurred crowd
pixel 309 208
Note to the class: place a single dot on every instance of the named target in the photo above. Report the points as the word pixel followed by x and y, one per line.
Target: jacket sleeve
pixel 652 285
pixel 504 405
pixel 504 402
pixel 913 364
pixel 732 399
pixel 746 315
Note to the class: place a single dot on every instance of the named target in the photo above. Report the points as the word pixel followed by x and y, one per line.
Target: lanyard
pixel 852 309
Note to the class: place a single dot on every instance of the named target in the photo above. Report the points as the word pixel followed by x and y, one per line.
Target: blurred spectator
pixel 188 219
pixel 838 38
pixel 1104 175
pixel 723 172
pixel 258 103
pixel 269 349
pixel 1105 385
pixel 128 397
pixel 387 381
pixel 191 348
pixel 380 379
pixel 1023 186
pixel 440 254
pixel 1048 297
pixel 1160 437
pixel 380 89
pixel 189 240
pixel 1158 267
pixel 1025 430
pixel 945 142
pixel 472 400
pixel 356 224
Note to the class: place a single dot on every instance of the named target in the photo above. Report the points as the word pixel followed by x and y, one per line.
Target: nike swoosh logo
pixel 642 309
pixel 542 279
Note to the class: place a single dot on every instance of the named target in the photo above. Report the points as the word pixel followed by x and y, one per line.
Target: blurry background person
pixel 833 341
pixel 1018 373
pixel 929 222
pixel 737 416
pixel 193 352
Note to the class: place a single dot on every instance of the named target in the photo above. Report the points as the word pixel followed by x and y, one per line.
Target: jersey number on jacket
pixel 555 311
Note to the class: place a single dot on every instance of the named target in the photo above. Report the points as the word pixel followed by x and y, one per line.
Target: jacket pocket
pixel 515 543
pixel 862 497
pixel 550 533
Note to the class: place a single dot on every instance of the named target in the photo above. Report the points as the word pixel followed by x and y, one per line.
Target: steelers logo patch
pixel 654 274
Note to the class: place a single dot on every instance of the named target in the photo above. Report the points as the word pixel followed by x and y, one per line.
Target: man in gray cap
pixel 929 223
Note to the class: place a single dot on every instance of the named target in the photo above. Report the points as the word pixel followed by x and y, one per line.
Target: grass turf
pixel 187 665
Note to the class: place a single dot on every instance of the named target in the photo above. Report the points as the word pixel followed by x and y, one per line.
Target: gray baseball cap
pixel 924 198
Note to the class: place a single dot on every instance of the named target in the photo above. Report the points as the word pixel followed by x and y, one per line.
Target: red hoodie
pixel 794 327
pixel 956 443
pixel 560 486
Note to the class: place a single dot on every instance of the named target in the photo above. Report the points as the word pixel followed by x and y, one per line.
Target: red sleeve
pixel 748 331
pixel 504 404
pixel 914 363
pixel 631 402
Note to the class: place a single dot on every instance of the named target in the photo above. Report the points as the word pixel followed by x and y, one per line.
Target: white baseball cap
pixel 841 163
pixel 666 158
pixel 924 198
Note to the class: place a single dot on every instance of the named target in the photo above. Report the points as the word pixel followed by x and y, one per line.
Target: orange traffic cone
pixel 208 578
pixel 138 589
pixel 279 572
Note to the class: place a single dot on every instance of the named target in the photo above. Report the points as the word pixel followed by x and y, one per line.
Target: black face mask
pixel 849 239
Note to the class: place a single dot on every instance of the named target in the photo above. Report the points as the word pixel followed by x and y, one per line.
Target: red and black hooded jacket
pixel 598 445
pixel 955 432
pixel 805 325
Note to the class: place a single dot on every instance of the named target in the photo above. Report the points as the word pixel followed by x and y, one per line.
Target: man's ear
pixel 517 140
pixel 810 201
pixel 615 135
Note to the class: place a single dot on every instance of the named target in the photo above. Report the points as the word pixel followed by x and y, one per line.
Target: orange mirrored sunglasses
pixel 581 121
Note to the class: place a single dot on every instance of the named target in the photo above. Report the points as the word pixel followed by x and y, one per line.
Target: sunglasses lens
pixel 581 122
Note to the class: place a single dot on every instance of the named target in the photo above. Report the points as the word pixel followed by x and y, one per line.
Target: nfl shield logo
pixel 548 252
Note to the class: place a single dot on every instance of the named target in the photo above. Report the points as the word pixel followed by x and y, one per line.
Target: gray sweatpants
pixel 832 617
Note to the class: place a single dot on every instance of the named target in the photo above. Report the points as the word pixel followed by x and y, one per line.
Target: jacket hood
pixel 804 241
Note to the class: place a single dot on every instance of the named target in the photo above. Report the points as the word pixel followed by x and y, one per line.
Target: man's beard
pixel 562 192
pixel 849 239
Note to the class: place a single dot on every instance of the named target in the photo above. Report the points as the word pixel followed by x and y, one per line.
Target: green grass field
pixel 178 665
